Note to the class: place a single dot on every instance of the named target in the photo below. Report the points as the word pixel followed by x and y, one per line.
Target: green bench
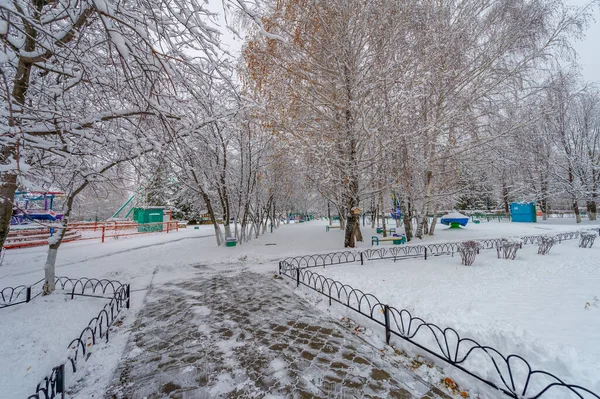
pixel 395 240
pixel 331 227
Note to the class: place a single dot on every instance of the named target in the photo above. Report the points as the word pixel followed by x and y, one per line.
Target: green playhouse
pixel 149 218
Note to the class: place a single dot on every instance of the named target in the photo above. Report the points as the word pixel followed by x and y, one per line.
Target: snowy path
pixel 242 334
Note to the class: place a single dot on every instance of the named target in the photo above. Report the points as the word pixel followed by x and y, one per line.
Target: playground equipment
pixel 396 212
pixel 116 215
pixel 523 212
pixel 27 207
pixel 454 220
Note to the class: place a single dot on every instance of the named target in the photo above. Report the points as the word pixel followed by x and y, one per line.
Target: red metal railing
pixel 83 231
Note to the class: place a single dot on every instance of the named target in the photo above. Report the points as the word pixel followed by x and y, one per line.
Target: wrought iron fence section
pixel 92 287
pixel 514 375
pixel 403 252
pixel 99 327
pixel 316 260
pixel 395 253
pixel 53 385
pixel 10 296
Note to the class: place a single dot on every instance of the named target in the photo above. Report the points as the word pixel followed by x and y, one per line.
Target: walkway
pixel 239 334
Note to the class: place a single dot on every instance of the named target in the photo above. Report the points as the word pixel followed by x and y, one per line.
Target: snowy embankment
pixel 543 308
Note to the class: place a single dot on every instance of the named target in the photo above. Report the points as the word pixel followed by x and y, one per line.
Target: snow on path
pixel 161 259
pixel 232 333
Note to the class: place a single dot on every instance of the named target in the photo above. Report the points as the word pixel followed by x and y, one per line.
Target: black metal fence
pixel 10 296
pixel 333 258
pixel 98 329
pixel 512 374
pixel 405 252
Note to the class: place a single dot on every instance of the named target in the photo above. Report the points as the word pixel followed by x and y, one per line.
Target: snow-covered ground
pixel 533 303
pixel 544 308
pixel 35 338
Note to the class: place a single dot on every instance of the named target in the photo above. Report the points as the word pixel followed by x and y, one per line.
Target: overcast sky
pixel 589 48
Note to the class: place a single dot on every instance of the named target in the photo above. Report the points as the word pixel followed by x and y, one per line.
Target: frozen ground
pixel 544 308
pixel 165 261
pixel 28 351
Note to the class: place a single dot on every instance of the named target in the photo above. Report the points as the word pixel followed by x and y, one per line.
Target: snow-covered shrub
pixel 468 250
pixel 587 238
pixel 546 242
pixel 507 247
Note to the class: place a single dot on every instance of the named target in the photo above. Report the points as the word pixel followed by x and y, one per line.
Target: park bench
pixel 331 227
pixel 391 231
pixel 396 240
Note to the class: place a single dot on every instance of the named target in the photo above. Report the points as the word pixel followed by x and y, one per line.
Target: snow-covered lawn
pixel 533 306
pixel 35 336
pixel 544 308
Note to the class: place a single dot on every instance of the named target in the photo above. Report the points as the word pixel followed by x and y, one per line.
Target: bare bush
pixel 546 243
pixel 468 250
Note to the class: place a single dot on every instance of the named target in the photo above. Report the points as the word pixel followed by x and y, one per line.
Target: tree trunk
pixel 211 212
pixel 591 209
pixel 329 212
pixel 576 210
pixel 357 232
pixel 8 188
pixel 55 241
pixel 544 200
pixel 420 223
pixel 349 237
pixel 505 197
pixel 433 224
pixel 373 216
pixel 407 220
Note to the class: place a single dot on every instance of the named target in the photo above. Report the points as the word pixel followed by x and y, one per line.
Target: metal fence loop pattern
pixel 118 294
pixel 514 376
pixel 407 251
pixel 317 260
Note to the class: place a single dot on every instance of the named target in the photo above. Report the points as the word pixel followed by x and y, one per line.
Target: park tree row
pixel 434 101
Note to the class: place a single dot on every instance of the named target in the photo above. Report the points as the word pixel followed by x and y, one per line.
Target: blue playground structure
pixel 454 220
pixel 28 209
pixel 396 212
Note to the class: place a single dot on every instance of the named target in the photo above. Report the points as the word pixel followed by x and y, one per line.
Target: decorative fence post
pixel 425 253
pixel 362 262
pixel 128 295
pixel 60 380
pixel 298 276
pixel 28 294
pixel 103 229
pixel 386 314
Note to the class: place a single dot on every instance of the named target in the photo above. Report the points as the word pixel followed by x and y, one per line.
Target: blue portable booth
pixel 523 212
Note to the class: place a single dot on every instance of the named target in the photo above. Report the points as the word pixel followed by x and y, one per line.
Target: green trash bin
pixel 230 242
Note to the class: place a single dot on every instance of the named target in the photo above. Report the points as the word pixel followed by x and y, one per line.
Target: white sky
pixel 588 49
